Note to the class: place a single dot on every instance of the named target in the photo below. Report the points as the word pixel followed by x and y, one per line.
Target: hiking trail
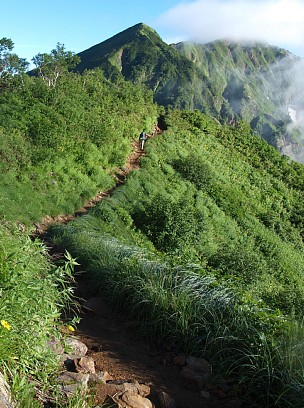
pixel 116 346
pixel 132 163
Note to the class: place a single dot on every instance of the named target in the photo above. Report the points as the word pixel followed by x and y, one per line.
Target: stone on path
pixel 84 365
pixel 136 400
pixel 195 363
pixel 165 400
pixel 78 349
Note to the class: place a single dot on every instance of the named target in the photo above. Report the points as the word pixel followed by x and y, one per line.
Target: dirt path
pixel 116 347
pixel 114 342
pixel 133 162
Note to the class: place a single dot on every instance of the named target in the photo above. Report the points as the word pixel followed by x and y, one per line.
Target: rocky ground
pixel 136 375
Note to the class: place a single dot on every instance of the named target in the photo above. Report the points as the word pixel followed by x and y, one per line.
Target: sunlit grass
pixel 33 296
pixel 191 310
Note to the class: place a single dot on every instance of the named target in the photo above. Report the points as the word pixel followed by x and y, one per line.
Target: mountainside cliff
pixel 230 81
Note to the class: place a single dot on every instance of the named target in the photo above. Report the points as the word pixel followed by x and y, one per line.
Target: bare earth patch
pixel 116 347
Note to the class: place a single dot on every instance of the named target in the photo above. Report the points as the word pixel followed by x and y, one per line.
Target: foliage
pixel 202 246
pixel 51 66
pixel 171 226
pixel 10 63
pixel 33 295
pixel 188 308
pixel 60 145
pixel 227 80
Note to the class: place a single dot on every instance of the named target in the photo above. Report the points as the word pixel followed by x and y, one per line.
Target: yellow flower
pixel 5 324
pixel 71 328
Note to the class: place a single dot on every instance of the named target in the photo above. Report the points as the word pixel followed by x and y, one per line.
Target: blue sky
pixel 36 26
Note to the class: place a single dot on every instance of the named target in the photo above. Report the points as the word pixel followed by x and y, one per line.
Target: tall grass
pixel 190 309
pixel 33 295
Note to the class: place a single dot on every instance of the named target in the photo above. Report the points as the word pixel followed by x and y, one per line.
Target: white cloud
pixel 277 22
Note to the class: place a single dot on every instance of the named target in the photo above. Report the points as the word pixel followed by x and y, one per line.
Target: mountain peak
pixel 99 51
pixel 145 29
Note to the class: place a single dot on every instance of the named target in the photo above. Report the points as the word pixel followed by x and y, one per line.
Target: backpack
pixel 142 135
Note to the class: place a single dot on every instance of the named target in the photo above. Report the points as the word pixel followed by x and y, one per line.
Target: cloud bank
pixel 276 22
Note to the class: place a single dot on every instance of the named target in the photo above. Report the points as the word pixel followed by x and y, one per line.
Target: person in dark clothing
pixel 142 138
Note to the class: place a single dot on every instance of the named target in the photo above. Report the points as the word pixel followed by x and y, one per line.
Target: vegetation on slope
pixel 139 55
pixel 230 81
pixel 205 246
pixel 60 143
pixel 33 296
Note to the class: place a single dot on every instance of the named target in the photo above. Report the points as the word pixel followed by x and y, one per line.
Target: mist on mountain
pixel 228 80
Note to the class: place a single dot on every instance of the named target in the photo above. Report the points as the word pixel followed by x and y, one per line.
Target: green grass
pixel 58 148
pixel 193 311
pixel 204 245
pixel 201 245
pixel 33 296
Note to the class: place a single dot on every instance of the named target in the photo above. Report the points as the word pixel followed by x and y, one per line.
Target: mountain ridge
pixel 228 80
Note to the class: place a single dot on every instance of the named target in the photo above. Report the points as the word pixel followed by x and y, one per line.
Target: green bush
pixel 171 226
pixel 194 169
pixel 222 277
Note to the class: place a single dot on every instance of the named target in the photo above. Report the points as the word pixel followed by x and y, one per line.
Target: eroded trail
pixel 116 347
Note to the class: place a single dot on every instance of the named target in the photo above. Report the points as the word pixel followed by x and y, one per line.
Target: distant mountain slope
pixel 229 81
pixel 257 83
pixel 140 55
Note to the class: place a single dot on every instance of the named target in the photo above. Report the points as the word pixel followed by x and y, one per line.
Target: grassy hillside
pixel 59 146
pixel 205 246
pixel 138 54
pixel 242 78
pixel 34 294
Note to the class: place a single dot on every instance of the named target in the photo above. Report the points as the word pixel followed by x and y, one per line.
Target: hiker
pixel 142 138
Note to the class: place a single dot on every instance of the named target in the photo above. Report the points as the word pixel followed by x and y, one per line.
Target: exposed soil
pixel 115 344
pixel 116 347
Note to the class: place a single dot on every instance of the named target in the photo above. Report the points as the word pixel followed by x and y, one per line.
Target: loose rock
pixel 205 395
pixel 84 365
pixel 135 400
pixel 72 382
pixel 165 400
pixel 55 345
pixel 194 379
pixel 5 394
pixel 104 376
pixel 195 363
pixel 68 377
pixel 180 360
pixel 78 349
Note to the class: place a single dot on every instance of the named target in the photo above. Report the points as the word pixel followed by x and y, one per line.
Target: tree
pixel 58 62
pixel 10 63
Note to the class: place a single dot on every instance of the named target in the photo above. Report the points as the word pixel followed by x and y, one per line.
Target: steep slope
pixel 229 81
pixel 140 55
pixel 254 82
pixel 204 248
